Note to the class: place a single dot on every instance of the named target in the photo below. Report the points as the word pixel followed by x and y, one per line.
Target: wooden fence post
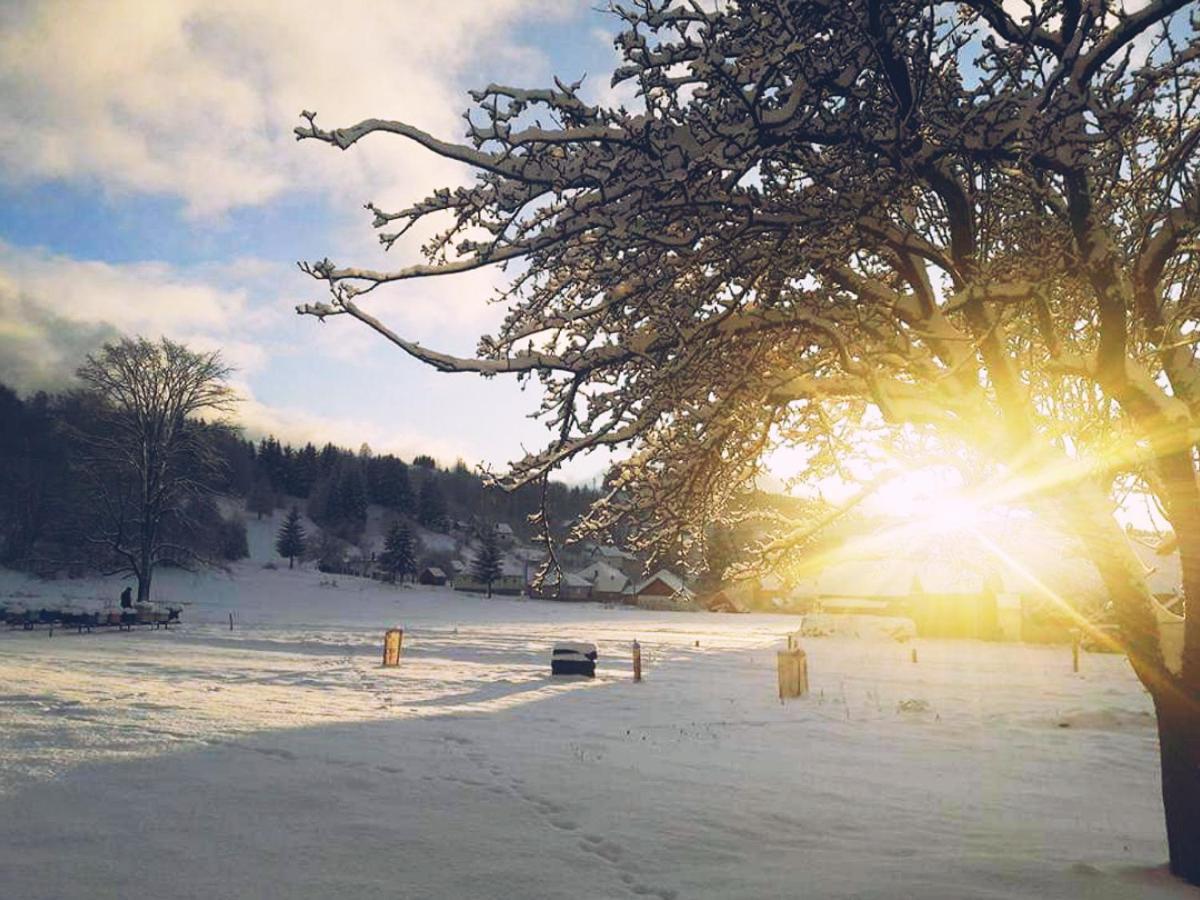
pixel 637 661
pixel 793 673
pixel 393 638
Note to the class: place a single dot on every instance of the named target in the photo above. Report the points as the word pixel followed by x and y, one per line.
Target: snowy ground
pixel 280 761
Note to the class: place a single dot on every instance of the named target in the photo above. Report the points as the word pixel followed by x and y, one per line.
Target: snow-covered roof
pixel 667 577
pixel 504 529
pixel 435 571
pixel 604 577
pixel 611 552
pixel 569 579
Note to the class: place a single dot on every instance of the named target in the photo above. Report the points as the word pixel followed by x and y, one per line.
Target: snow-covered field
pixel 278 760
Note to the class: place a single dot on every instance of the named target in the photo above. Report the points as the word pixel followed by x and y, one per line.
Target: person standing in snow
pixel 127 598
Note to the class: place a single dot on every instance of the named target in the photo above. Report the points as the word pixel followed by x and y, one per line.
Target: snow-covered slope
pixel 280 760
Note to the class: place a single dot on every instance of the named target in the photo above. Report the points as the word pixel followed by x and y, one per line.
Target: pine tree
pixel 486 565
pixel 431 507
pixel 387 483
pixel 399 557
pixel 290 542
pixel 261 499
pixel 306 469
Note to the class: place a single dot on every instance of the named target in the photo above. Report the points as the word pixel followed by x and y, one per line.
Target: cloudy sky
pixel 150 184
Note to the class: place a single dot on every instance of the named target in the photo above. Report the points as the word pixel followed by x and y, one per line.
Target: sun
pixel 935 497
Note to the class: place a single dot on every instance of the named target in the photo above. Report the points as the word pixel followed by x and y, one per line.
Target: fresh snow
pixel 280 760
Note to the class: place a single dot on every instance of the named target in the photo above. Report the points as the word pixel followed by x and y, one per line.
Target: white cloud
pixel 197 98
pixel 297 426
pixel 143 297
pixel 55 309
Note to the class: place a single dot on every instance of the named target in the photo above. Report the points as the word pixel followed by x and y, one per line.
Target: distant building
pixel 433 576
pixel 724 600
pixel 511 581
pixel 942 599
pixel 563 586
pixel 620 559
pixel 505 534
pixel 664 590
pixel 608 582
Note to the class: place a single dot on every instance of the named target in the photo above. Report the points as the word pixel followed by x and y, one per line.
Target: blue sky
pixel 149 184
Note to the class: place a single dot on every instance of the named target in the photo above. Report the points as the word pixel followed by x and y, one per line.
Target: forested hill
pixel 46 508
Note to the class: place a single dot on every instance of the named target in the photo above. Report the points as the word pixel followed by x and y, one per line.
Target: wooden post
pixel 793 673
pixel 393 638
pixel 914 654
pixel 231 621
pixel 1075 650
pixel 637 661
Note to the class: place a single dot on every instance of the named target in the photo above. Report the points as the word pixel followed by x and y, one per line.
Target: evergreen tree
pixel 305 470
pixel 338 502
pixel 328 458
pixel 486 565
pixel 431 507
pixel 399 554
pixel 272 463
pixel 387 483
pixel 351 494
pixel 290 542
pixel 261 499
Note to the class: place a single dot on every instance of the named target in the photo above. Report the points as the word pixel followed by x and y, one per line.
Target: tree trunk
pixel 291 562
pixel 143 587
pixel 1177 706
pixel 1179 746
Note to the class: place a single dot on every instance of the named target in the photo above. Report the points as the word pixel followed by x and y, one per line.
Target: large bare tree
pixel 959 219
pixel 148 453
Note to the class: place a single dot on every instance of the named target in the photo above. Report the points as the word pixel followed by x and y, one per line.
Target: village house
pixel 608 583
pixel 622 560
pixel 563 586
pixel 664 590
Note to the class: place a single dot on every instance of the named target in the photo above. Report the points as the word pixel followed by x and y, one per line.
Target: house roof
pixel 667 577
pixel 503 528
pixel 605 578
pixel 435 571
pixel 569 579
pixel 610 552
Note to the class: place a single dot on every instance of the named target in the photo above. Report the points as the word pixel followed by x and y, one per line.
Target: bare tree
pixel 952 219
pixel 149 456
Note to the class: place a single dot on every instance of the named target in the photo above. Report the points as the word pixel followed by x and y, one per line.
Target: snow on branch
pixel 946 214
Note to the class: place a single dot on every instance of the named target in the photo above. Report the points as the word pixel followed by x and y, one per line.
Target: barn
pixel 433 576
